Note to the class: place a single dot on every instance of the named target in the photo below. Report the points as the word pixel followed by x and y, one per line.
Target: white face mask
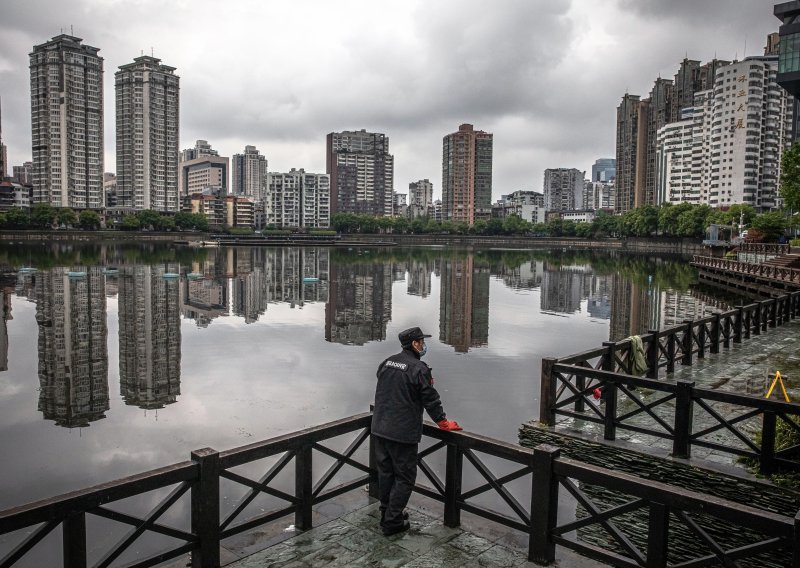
pixel 424 350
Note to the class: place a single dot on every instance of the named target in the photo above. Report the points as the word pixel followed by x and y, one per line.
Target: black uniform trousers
pixel 397 472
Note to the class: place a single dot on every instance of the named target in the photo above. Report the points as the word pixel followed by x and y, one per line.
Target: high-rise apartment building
pixel 598 195
pixel 604 169
pixel 147 95
pixel 249 174
pixel 563 189
pixel 362 172
pixel 467 175
pixel 298 199
pixel 420 198
pixel 638 123
pixel 202 168
pixel 24 174
pixel 67 123
pixel 729 147
pixel 631 151
pixel 3 149
pixel 789 58
pixel 359 305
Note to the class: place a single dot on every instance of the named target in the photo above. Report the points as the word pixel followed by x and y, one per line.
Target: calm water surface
pixel 118 359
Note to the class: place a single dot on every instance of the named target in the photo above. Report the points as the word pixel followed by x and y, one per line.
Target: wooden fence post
pixel 372 487
pixel 702 336
pixel 671 340
pixel 764 314
pixel 715 333
pixel 684 417
pixel 726 332
pixel 766 461
pixel 608 357
pixel 205 509
pixel 737 324
pixel 687 345
pixel 547 392
pixel 652 355
pixel 303 486
pixel 452 485
pixel 74 540
pixel 757 319
pixel 544 505
pixel 796 547
pixel 773 312
pixel 748 322
pixel 610 416
pixel 658 535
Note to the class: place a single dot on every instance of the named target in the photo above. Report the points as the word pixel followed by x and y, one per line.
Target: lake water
pixel 117 359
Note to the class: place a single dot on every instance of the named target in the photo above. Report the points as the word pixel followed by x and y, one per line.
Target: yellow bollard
pixel 778 380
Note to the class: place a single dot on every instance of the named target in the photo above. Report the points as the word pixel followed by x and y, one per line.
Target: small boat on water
pixel 111 271
pixel 171 275
pixel 194 276
pixel 310 280
pixel 28 270
pixel 76 274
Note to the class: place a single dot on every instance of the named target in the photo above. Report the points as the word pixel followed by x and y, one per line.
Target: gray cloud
pixel 544 77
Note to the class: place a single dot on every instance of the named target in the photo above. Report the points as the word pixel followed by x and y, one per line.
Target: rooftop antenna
pixel 71 32
pixel 151 51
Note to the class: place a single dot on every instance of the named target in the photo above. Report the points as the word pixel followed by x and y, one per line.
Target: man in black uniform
pixel 405 387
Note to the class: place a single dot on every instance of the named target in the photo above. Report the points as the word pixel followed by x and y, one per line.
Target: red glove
pixel 446 424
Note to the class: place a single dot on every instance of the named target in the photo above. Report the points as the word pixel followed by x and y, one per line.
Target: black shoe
pixel 389 531
pixel 383 515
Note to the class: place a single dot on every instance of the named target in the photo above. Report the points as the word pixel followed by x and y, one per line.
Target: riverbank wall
pixel 638 245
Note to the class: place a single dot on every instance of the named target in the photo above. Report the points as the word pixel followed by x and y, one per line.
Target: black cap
pixel 411 334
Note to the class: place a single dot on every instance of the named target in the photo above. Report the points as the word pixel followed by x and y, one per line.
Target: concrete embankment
pixel 639 245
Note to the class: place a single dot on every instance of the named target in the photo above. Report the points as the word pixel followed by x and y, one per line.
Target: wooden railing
pixel 765 271
pixel 534 512
pixel 765 248
pixel 569 386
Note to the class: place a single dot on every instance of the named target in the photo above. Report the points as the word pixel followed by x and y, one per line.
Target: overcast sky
pixel 544 76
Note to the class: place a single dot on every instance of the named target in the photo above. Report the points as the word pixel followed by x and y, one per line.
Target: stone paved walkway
pixel 743 368
pixel 355 540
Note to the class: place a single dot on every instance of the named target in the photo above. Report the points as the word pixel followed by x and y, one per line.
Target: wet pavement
pixel 355 539
pixel 743 368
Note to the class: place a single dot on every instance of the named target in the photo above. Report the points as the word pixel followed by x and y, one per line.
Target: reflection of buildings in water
pixel 679 306
pixel 419 278
pixel 5 294
pixel 149 335
pixel 464 304
pixel 526 276
pixel 399 271
pixel 599 297
pixel 73 354
pixel 563 288
pixel 635 308
pixel 297 275
pixel 203 299
pixel 112 289
pixel 360 303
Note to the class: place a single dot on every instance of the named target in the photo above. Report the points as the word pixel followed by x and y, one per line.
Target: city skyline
pixel 515 88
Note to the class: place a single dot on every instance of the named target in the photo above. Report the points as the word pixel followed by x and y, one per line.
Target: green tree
pixel 771 225
pixel 167 224
pixel 184 220
pixel 515 225
pixel 149 219
pixel 606 224
pixel 692 222
pixel 569 228
pixel 17 218
pixel 3 220
pixel 199 222
pixel 555 227
pixel 43 215
pixel 584 230
pixel 790 177
pixel 668 215
pixel 66 217
pixel 130 223
pixel 89 219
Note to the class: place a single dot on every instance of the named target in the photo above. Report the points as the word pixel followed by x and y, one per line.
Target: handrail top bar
pixel 583 355
pixel 485 444
pixel 99 494
pixel 665 493
pixel 243 454
pixel 616 377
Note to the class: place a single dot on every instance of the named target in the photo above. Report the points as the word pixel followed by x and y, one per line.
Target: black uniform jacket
pixel 405 387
